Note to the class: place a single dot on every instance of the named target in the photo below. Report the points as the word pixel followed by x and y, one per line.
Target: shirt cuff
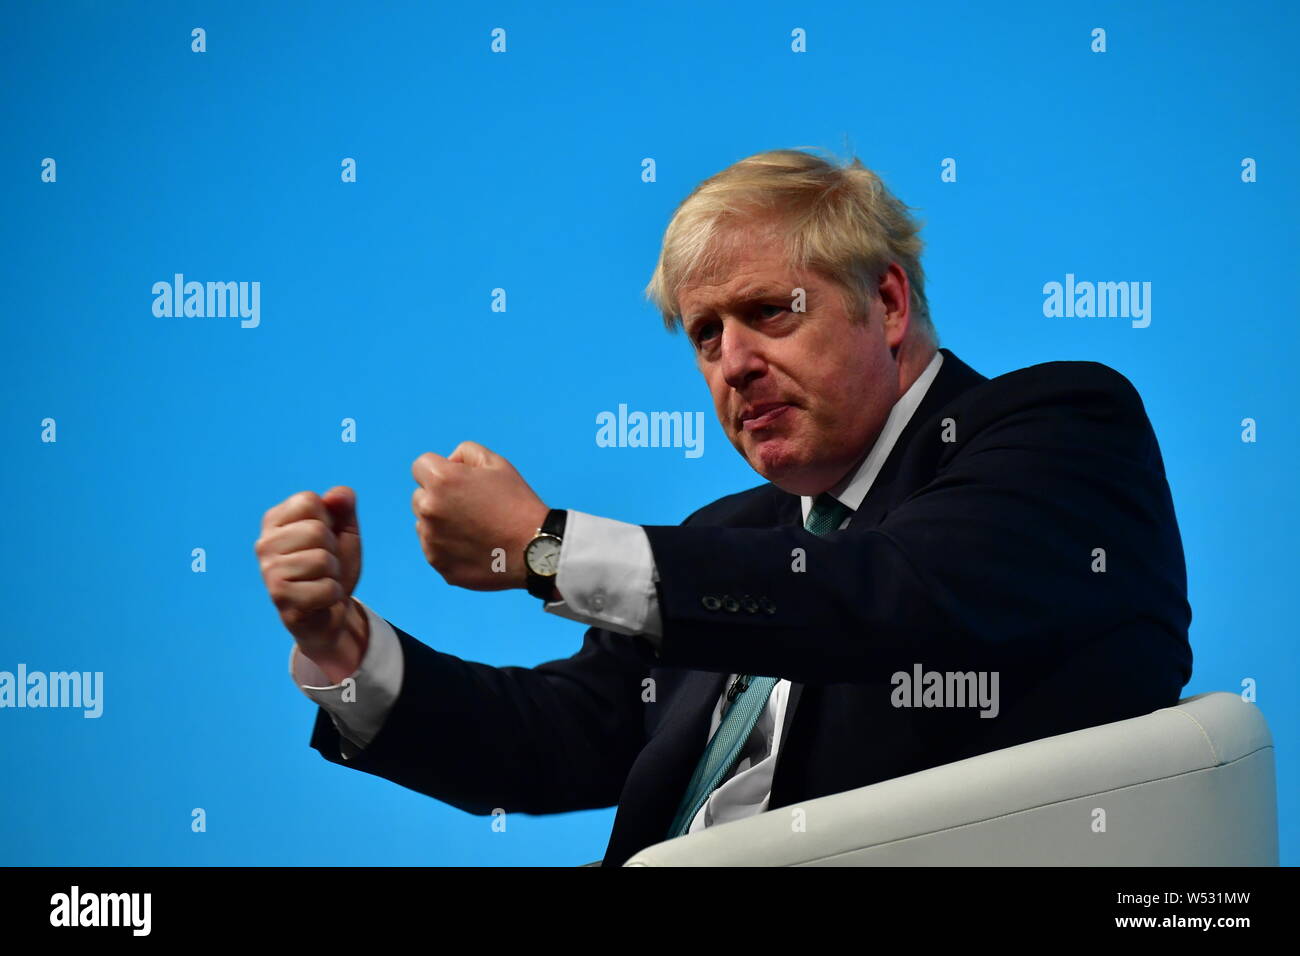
pixel 359 704
pixel 607 575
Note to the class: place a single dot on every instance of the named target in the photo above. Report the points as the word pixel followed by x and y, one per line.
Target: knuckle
pixel 310 504
pixel 321 562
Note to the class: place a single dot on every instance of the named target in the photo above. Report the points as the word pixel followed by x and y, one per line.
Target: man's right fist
pixel 310 555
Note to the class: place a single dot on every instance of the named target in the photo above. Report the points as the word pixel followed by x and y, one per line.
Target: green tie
pixel 738 722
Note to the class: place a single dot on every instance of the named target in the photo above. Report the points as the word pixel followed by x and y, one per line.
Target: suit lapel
pixel 673 751
pixel 669 759
pixel 953 378
pixel 790 511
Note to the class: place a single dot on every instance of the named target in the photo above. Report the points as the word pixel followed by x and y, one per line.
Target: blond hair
pixel 838 220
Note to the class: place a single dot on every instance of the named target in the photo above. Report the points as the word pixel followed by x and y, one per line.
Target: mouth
pixel 762 415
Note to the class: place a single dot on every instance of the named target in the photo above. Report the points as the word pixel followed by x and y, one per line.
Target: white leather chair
pixel 1188 785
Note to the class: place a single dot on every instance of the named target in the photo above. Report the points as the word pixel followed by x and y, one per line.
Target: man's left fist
pixel 468 505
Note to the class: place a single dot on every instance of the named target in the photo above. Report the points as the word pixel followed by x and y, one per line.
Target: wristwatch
pixel 542 554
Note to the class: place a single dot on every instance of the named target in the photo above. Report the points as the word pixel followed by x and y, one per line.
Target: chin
pixel 781 466
pixel 789 468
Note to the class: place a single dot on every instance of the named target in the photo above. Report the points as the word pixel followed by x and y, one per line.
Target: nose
pixel 742 358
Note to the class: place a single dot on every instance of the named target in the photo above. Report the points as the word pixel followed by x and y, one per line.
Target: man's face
pixel 801 395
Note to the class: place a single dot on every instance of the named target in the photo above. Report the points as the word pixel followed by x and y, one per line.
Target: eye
pixel 779 308
pixel 702 332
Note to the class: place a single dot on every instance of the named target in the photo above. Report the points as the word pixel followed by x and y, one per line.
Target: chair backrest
pixel 1187 785
pixel 1229 802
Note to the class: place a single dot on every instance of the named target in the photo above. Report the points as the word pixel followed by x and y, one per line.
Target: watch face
pixel 543 555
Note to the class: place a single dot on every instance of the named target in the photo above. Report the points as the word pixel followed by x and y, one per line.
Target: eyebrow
pixel 751 293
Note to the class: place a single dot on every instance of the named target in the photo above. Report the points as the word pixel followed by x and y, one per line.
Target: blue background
pixel 522 170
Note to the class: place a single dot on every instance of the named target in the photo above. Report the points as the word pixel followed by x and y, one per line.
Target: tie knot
pixel 826 514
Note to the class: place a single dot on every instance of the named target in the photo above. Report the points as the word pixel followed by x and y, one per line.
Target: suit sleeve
pixel 359 710
pixel 606 576
pixel 553 738
pixel 999 557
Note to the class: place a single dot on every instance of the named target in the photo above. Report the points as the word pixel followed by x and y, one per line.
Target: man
pixel 916 518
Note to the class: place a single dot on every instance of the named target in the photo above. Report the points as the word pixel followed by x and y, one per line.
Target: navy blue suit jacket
pixel 976 549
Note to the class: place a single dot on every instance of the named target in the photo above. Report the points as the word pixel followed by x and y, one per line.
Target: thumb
pixel 341 502
pixel 472 453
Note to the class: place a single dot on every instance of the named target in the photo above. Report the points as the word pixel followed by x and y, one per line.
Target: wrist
pixel 343 657
pixel 358 627
pixel 542 556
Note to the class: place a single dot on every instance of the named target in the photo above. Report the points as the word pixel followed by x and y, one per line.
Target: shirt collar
pixel 854 487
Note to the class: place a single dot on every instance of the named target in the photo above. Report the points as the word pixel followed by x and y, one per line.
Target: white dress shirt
pixel 607 576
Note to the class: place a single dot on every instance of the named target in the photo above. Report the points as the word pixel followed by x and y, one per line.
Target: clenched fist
pixel 468 505
pixel 310 555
